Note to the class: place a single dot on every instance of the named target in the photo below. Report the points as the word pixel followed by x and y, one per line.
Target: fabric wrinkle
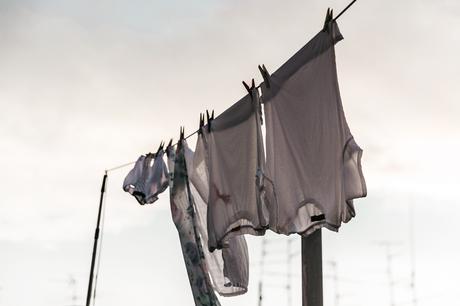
pixel 313 169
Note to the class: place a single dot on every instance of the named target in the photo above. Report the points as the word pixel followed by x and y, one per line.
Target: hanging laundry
pixel 148 178
pixel 183 215
pixel 313 169
pixel 207 272
pixel 235 160
pixel 229 267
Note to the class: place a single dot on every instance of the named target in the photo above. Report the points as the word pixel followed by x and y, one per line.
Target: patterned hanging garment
pixel 183 215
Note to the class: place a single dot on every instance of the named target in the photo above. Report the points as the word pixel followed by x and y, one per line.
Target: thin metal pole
pixel 391 283
pixel 96 237
pixel 390 276
pixel 262 263
pixel 412 253
pixel 289 272
pixel 336 282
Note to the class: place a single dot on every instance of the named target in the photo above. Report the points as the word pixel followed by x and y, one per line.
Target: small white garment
pixel 313 169
pixel 148 178
pixel 235 159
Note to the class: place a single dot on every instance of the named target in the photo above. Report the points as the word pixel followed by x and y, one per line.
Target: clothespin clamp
pixel 329 18
pixel 160 147
pixel 250 89
pixel 168 147
pixel 209 119
pixel 265 75
pixel 251 93
pixel 200 129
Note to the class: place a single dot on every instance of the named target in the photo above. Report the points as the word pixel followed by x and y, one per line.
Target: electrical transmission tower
pixel 72 283
pixel 412 252
pixel 335 278
pixel 391 282
pixel 289 272
pixel 262 262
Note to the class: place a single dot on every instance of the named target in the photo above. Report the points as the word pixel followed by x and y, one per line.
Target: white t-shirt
pixel 313 168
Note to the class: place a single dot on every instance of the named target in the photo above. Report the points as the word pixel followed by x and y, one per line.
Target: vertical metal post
pixel 336 282
pixel 390 275
pixel 312 270
pixel 262 263
pixel 289 274
pixel 96 237
pixel 412 253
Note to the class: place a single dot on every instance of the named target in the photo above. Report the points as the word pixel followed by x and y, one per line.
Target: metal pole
pixel 289 272
pixel 336 282
pixel 262 262
pixel 412 253
pixel 96 237
pixel 312 270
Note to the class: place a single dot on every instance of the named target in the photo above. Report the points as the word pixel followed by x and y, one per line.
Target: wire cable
pixel 132 162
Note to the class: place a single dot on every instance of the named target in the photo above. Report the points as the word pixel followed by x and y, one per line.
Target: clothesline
pixel 151 176
pixel 133 162
pixel 190 135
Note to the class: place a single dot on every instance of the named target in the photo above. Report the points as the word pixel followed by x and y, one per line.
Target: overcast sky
pixel 87 85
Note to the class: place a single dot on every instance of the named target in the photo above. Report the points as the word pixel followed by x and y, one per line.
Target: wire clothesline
pixel 257 87
pixel 91 293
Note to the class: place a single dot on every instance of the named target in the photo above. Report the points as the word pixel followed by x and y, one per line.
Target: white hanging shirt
pixel 313 168
pixel 235 159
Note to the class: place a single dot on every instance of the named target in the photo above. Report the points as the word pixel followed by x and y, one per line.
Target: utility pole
pixel 412 252
pixel 391 282
pixel 335 278
pixel 72 282
pixel 96 238
pixel 262 262
pixel 289 272
pixel 312 269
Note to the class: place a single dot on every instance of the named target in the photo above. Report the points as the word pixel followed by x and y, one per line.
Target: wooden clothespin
pixel 250 89
pixel 168 147
pixel 265 75
pixel 200 129
pixel 251 93
pixel 209 118
pixel 160 147
pixel 329 18
pixel 182 131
